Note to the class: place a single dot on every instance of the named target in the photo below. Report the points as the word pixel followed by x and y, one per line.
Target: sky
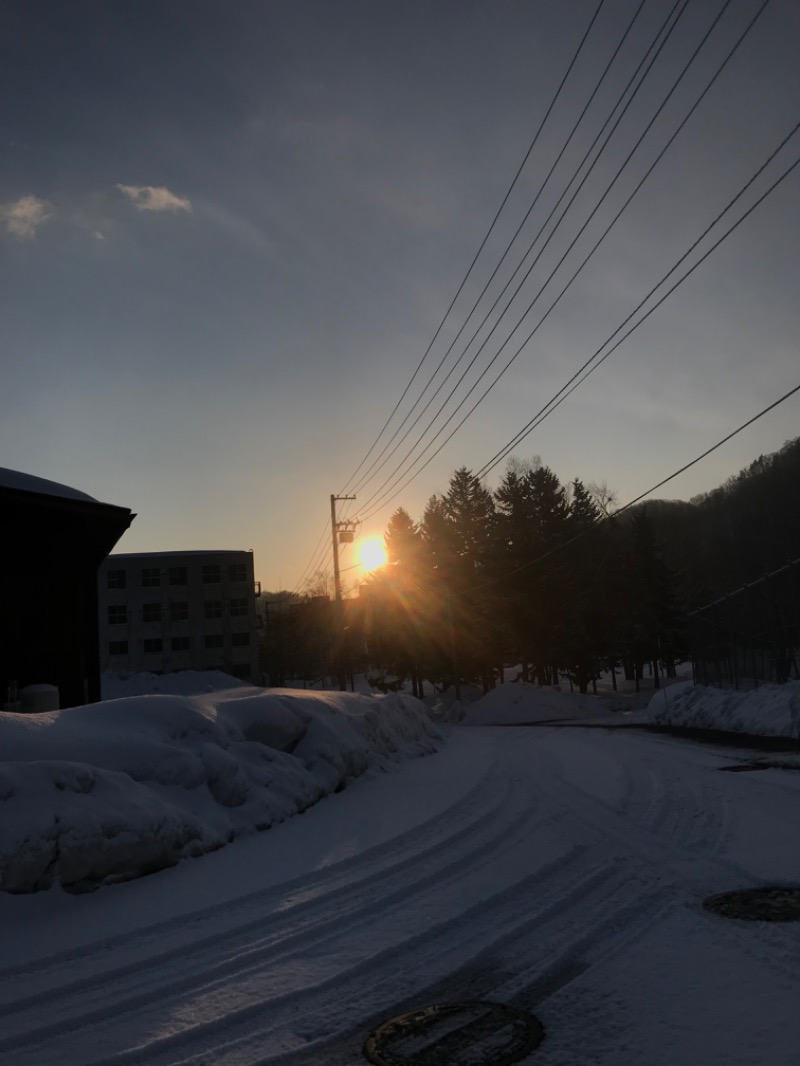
pixel 229 234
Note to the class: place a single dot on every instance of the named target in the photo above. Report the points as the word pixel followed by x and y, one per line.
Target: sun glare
pixel 371 553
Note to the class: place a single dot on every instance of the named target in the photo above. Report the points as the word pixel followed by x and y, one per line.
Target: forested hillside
pixel 738 549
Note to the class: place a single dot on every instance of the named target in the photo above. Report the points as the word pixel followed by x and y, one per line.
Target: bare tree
pixel 319 584
pixel 605 498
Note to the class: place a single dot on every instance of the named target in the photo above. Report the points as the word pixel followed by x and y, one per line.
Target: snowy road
pixel 557 870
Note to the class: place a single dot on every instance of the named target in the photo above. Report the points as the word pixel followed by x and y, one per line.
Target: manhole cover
pixel 757 904
pixel 455 1034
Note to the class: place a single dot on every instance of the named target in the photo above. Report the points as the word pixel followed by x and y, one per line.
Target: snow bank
pixel 117 789
pixel 181 683
pixel 517 702
pixel 770 710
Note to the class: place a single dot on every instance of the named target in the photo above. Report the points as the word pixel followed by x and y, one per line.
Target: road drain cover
pixel 455 1034
pixel 757 904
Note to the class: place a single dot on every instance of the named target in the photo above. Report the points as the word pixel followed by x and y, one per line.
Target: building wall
pixel 55 538
pixel 168 611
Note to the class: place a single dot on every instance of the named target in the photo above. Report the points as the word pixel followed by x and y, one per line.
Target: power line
pixel 368 474
pixel 565 390
pixel 316 558
pixel 750 585
pixel 532 265
pixel 485 239
pixel 637 499
pixel 377 501
pixel 483 373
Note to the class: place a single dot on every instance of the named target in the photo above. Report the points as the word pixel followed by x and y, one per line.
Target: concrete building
pixel 167 611
pixel 54 540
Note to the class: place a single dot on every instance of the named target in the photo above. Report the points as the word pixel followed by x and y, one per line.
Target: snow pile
pixel 113 790
pixel 516 703
pixel 182 683
pixel 770 710
pixel 452 707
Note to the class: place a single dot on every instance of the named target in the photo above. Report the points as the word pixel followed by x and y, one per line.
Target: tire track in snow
pixel 604 873
pixel 307 923
pixel 291 1020
pixel 605 890
pixel 459 818
pixel 691 864
pixel 687 811
pixel 226 1008
pixel 278 936
pixel 690 826
pixel 540 925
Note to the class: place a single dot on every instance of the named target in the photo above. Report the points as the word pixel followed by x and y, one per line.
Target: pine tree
pixel 533 524
pixel 654 618
pixel 585 620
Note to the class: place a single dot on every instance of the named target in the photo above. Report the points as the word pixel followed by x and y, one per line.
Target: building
pixel 55 538
pixel 167 611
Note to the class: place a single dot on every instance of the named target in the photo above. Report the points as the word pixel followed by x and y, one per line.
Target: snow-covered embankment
pixel 769 710
pixel 117 789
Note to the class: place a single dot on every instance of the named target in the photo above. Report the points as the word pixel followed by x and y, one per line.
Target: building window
pixel 179 612
pixel 151 577
pixel 212 609
pixel 153 644
pixel 240 640
pixel 151 612
pixel 118 647
pixel 179 644
pixel 115 579
pixel 238 608
pixel 237 572
pixel 213 640
pixel 212 575
pixel 178 575
pixel 117 614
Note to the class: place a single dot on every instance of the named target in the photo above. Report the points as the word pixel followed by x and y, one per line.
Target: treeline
pixel 544 578
pixel 745 528
pixel 532 575
pixel 736 549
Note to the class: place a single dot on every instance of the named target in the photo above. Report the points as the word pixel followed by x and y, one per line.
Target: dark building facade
pixel 168 611
pixel 55 539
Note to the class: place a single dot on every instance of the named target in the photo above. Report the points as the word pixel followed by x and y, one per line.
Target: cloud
pixel 21 217
pixel 154 198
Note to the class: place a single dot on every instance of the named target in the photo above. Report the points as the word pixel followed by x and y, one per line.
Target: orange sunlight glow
pixel 371 553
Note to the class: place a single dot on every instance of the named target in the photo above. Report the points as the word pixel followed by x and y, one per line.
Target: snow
pixel 182 683
pixel 119 788
pixel 770 710
pixel 521 703
pixel 559 870
pixel 14 479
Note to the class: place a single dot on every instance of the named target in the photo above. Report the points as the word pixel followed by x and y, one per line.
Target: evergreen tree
pixel 533 523
pixel 515 546
pixel 654 618
pixel 585 618
pixel 469 510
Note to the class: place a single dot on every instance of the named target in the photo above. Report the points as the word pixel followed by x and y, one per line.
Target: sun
pixel 371 553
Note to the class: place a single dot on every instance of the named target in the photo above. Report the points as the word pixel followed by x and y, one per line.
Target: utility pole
pixel 343 531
